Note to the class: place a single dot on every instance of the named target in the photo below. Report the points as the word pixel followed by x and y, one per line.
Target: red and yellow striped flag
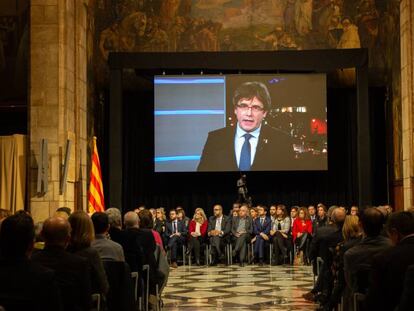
pixel 96 195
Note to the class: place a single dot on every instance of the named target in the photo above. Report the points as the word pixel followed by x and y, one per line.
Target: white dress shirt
pixel 218 223
pixel 239 141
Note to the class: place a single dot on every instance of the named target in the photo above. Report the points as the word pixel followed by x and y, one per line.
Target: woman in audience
pixel 80 244
pixel 181 216
pixel 146 222
pixel 197 233
pixel 280 234
pixel 253 213
pixel 351 232
pixel 301 232
pixel 160 221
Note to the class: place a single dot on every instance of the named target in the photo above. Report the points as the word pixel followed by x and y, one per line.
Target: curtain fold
pixel 12 172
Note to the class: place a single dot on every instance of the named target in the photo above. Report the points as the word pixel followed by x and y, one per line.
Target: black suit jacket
pixel 225 224
pixel 274 151
pixel 72 275
pixel 388 272
pixel 26 285
pixel 181 228
pixel 139 248
pixel 326 237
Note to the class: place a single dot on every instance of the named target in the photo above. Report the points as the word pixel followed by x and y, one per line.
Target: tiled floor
pixel 230 288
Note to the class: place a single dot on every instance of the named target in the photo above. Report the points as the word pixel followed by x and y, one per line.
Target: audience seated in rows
pixel 279 233
pixel 301 234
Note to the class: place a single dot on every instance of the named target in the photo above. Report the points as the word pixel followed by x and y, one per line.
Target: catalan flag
pixel 96 195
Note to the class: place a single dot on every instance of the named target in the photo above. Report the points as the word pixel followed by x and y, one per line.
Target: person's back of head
pixel 338 217
pixel 64 209
pixel 16 236
pixel 400 225
pixel 82 230
pixel 100 222
pixel 372 221
pixel 145 219
pixel 131 220
pixel 114 217
pixel 56 232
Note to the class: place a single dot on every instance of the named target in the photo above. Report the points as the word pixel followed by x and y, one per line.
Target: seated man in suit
pixel 241 230
pixel 261 229
pixel 175 233
pixel 25 285
pixel 218 231
pixel 250 145
pixel 72 271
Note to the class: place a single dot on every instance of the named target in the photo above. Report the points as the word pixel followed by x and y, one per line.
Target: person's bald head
pixel 338 216
pixel 131 220
pixel 56 232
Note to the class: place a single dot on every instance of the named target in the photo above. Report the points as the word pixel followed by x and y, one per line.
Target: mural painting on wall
pixel 248 25
pixel 227 25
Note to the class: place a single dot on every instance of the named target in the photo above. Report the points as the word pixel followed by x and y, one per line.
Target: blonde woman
pixel 197 232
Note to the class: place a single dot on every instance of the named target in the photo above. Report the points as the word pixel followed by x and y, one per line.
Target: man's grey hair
pixel 131 220
pixel 115 218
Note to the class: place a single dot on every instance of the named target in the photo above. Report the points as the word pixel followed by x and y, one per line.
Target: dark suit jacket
pixel 26 285
pixel 274 151
pixel 235 224
pixel 388 273
pixel 72 275
pixel 405 301
pixel 117 235
pixel 265 228
pixel 326 237
pixel 225 224
pixel 139 248
pixel 181 228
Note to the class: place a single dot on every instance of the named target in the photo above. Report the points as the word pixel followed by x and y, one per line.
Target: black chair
pixel 120 295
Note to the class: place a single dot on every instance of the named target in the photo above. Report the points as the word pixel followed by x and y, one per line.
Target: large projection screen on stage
pixel 218 123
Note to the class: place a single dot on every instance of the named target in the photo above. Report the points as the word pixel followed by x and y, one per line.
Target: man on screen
pixel 251 145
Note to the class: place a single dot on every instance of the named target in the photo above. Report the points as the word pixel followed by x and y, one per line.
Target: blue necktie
pixel 245 155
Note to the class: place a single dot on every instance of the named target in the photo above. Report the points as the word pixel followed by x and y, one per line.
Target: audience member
pixel 175 233
pixel 72 271
pixel 358 259
pixel 389 267
pixel 115 231
pixel 322 245
pixel 312 213
pixel 63 212
pixel 354 211
pixel 81 238
pixel 107 249
pixel 153 215
pixel 219 227
pixel 182 217
pixel 4 213
pixel 241 230
pixel 197 233
pixel 39 242
pixel 234 212
pixel 160 221
pixel 253 213
pixel 406 304
pixel 279 233
pixel 261 229
pixel 24 285
pixel 301 232
pixel 146 222
pixel 293 214
pixel 321 219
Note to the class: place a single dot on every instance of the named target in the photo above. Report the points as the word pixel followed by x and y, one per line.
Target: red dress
pixel 299 226
pixel 192 228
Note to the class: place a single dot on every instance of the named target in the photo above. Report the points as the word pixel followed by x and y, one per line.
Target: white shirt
pixel 239 141
pixel 197 228
pixel 218 223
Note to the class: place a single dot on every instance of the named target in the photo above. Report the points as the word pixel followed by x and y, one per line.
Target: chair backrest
pixel 120 295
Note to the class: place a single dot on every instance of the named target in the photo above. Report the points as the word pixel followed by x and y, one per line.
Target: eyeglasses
pixel 254 108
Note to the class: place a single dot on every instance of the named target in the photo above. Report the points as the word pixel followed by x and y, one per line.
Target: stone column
pixel 57 108
pixel 407 88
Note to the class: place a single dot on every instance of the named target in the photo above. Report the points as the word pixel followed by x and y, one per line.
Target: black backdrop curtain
pixel 338 185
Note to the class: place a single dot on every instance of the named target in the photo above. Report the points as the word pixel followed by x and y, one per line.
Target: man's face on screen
pixel 250 113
